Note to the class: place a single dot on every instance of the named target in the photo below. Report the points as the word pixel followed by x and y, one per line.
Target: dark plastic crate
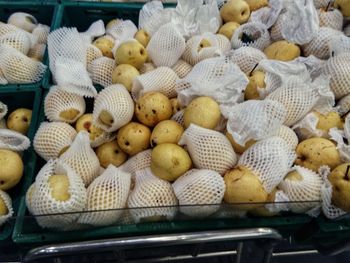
pixel 27 98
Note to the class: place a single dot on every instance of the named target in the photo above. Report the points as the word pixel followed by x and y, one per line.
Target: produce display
pixel 22 47
pixel 225 103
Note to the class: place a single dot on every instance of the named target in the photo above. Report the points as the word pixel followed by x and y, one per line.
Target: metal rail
pixel 151 240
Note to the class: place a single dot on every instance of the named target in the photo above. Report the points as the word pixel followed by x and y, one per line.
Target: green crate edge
pixel 29 154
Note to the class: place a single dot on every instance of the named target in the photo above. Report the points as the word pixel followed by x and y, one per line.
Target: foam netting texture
pixel 166 46
pixel 23 20
pixel 179 117
pixel 300 192
pixel 44 204
pixel 58 101
pixel 18 68
pixel 333 19
pixel 8 203
pixel 224 43
pixel 3 110
pixel 3 124
pixel 29 197
pixel 3 80
pixel 182 68
pixel 307 127
pixel 109 191
pixel 217 78
pixel 17 40
pixel 148 10
pixel 257 32
pixel 151 197
pixel 51 138
pixel 347 30
pixel 339 45
pixel 200 192
pixel 92 53
pixel 276 29
pixel 288 135
pixel 255 119
pixel 267 15
pixel 147 67
pixel 322 3
pixel 82 158
pixel 116 100
pixel 319 45
pixel 343 105
pixel 122 31
pixel 67 56
pixel 313 65
pixel 13 140
pixel 162 79
pixel 246 58
pixel 101 70
pixel 270 159
pixel 209 149
pixel 37 51
pixel 194 53
pixel 42 32
pixel 102 138
pixel 338 68
pixel 138 162
pixel 95 30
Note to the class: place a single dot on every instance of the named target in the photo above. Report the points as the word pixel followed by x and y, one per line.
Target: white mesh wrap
pixel 137 162
pixel 339 137
pixel 224 44
pixel 157 19
pixel 122 31
pixel 202 145
pixel 319 45
pixel 92 53
pixel 338 68
pixel 146 67
pixel 246 58
pixel 14 141
pixel 259 33
pixel 23 20
pixel 116 100
pixel 182 68
pixel 300 192
pixel 343 105
pixel 107 192
pixel 52 137
pixel 18 40
pixel 166 46
pixel 193 53
pixel 313 64
pixel 339 44
pixel 255 119
pixel 148 10
pixel 3 80
pixel 8 203
pixel 217 78
pixel 289 136
pixel 57 101
pixel 42 32
pixel 37 51
pixel 270 160
pixel 332 19
pixel 162 79
pixel 29 199
pixel 347 30
pixel 3 110
pixel 96 29
pixel 101 70
pixel 3 124
pixel 44 204
pixel 18 68
pixel 179 117
pixel 276 29
pixel 201 191
pixel 307 127
pixel 322 3
pixel 82 159
pixel 151 197
pixel 267 15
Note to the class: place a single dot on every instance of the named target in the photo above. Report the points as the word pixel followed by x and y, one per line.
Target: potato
pixel 263 211
pixel 167 131
pixel 143 37
pixel 228 29
pixel 282 50
pixel 132 53
pixel 340 180
pixel 238 148
pixel 110 153
pixel 105 44
pixel 124 74
pixel 134 138
pixel 11 169
pixel 256 80
pixel 59 185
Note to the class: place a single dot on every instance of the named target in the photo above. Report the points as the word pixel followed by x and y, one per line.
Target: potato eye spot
pixel 2 182
pixel 154 111
pixel 116 151
pixel 127 143
pixel 142 51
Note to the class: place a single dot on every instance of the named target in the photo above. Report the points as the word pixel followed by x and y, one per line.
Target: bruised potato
pixel 134 138
pixel 167 131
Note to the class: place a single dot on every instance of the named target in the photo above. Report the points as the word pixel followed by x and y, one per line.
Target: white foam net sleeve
pixel 18 68
pixel 116 100
pixel 338 68
pixel 182 68
pixel 110 192
pixel 280 203
pixel 67 56
pixel 255 119
pixel 207 17
pixel 257 34
pixel 289 136
pixel 343 105
pixel 28 198
pixel 148 10
pixel 319 45
pixel 270 159
pixel 8 203
pixel 146 67
pixel 101 70
pixel 217 78
pixel 18 40
pixel 13 140
pixel 122 31
pixel 151 197
pixel 7 28
pixel 138 162
pixel 44 204
pixel 333 19
pixel 51 138
pixel 162 79
pixel 276 29
pixel 3 110
pixel 82 158
pixel 3 124
pixel 224 43
pixel 194 53
pixel 3 80
pixel 307 127
pixel 313 64
pixel 23 20
pixel 339 44
pixel 158 19
pixel 347 30
pixel 42 32
pixel 304 194
pixel 58 101
pixel 338 136
pixel 328 209
pixel 179 117
pixel 322 3
pixel 200 192
pixel 166 46
pixel 92 53
pixel 303 22
pixel 37 51
pixel 246 58
pixel 267 15
pixel 102 138
pixel 202 144
pixel 96 29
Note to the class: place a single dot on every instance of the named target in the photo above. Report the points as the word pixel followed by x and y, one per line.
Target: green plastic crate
pixel 21 98
pixel 45 12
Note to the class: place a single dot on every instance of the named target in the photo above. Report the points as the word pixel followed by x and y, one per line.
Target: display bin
pixel 27 231
pixel 45 12
pixel 21 98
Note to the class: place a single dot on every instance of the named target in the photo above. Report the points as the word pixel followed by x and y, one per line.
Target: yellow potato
pixel 235 11
pixel 132 53
pixel 228 29
pixel 340 180
pixel 143 37
pixel 282 50
pixel 256 80
pixel 124 74
pixel 105 45
pixel 84 123
pixel 134 138
pixel 167 131
pixel 19 120
pixel 11 169
pixel 110 153
pixel 59 186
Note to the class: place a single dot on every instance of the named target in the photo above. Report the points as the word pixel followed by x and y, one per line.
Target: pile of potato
pixel 160 136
